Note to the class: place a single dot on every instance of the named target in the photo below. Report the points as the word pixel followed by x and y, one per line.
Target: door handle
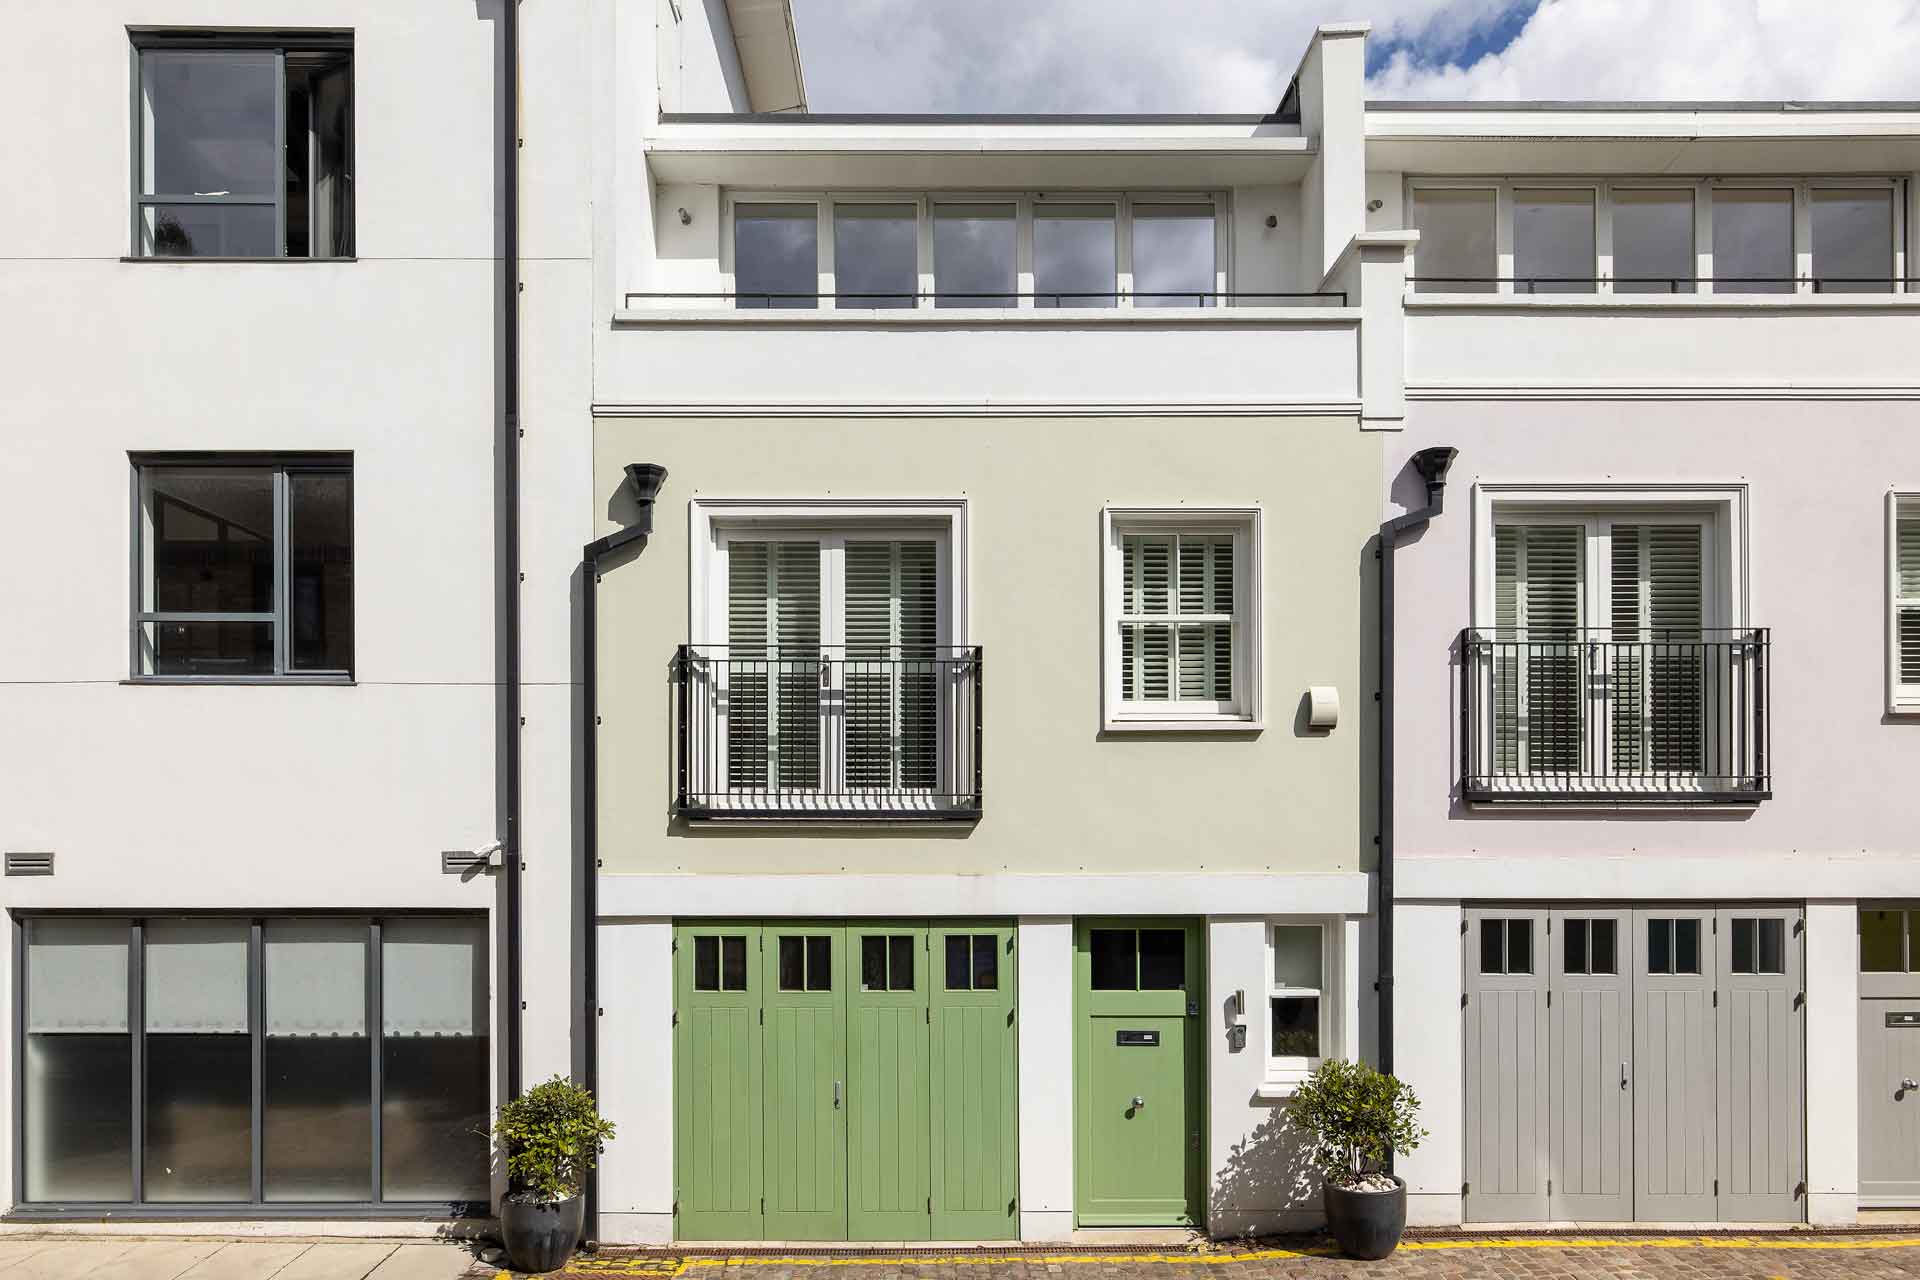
pixel 1623 1075
pixel 1138 1102
pixel 1909 1085
pixel 836 1095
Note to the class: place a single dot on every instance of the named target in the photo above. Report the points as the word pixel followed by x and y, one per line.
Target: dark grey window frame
pixel 257 1206
pixel 282 465
pixel 279 43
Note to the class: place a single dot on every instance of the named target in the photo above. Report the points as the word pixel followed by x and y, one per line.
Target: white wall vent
pixel 460 862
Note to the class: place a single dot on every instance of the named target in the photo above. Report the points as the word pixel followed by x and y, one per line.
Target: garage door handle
pixel 836 1095
pixel 1909 1085
pixel 1623 1075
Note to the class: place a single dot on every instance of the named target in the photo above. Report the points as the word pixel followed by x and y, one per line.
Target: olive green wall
pixel 1060 796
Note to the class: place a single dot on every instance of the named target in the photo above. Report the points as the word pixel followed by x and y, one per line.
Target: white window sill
pixel 1904 706
pixel 1212 724
pixel 973 317
pixel 1279 1088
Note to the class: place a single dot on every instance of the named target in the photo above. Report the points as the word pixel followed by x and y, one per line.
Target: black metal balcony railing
pixel 888 734
pixel 1615 716
pixel 787 301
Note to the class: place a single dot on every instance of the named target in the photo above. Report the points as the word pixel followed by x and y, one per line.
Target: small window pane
pixel 1882 941
pixel 793 963
pixel 819 964
pixel 1163 960
pixel 1493 948
pixel 208 121
pixel 1686 946
pixel 1296 956
pixel 320 517
pixel 1296 1026
pixel 1752 240
pixel 873 963
pixel 1519 946
pixel 1603 957
pixel 775 256
pixel 876 260
pixel 1173 256
pixel 1574 947
pixel 209 547
pixel 1456 249
pixel 1773 946
pixel 1853 240
pixel 1553 241
pixel 206 648
pixel 1115 963
pixel 1659 946
pixel 733 963
pixel 958 963
pixel 973 255
pixel 986 962
pixel 1073 256
pixel 1745 950
pixel 706 964
pixel 900 962
pixel 1653 241
pixel 207 231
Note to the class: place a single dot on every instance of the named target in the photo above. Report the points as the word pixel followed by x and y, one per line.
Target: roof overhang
pixel 1559 138
pixel 769 53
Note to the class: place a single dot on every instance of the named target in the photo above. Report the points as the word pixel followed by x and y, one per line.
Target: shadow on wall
pixel 1268 1184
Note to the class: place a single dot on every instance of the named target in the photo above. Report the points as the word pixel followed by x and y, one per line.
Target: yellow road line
pixel 680 1266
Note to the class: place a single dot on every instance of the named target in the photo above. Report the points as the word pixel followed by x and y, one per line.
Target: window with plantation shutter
pixel 1179 623
pixel 1904 607
pixel 1538 594
pixel 1656 659
pixel 773 664
pixel 891 678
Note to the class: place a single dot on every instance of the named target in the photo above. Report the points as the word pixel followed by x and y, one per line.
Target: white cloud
pixel 1237 55
pixel 1687 49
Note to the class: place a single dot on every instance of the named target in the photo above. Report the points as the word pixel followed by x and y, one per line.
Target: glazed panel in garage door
pixel 1504 964
pixel 1675 1051
pixel 1889 1055
pixel 1761 1115
pixel 1590 1103
pixel 716 1081
pixel 973 1082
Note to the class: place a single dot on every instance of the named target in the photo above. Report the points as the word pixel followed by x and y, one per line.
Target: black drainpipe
pixel 509 557
pixel 1432 464
pixel 643 481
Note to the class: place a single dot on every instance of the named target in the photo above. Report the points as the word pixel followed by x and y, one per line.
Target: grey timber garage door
pixel 1890 1055
pixel 1634 1064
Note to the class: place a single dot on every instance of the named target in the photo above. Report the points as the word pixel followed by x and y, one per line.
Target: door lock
pixel 1138 1102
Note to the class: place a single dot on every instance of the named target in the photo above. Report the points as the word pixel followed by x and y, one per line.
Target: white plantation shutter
pixel 1177 625
pixel 773 664
pixel 1906 592
pixel 1657 589
pixel 891 676
pixel 1537 600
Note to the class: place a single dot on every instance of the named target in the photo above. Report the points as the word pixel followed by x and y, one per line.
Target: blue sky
pixel 1237 55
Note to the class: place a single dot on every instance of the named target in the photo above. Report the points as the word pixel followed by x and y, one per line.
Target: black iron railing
pixel 1615 716
pixel 778 301
pixel 885 734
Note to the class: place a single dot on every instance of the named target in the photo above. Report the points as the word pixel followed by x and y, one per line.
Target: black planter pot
pixel 1367 1224
pixel 541 1235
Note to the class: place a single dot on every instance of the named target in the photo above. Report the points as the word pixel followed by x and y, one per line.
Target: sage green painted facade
pixel 828 1099
pixel 1139 1070
pixel 1061 796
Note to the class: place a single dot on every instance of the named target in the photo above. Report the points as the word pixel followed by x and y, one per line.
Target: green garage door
pixel 844 1081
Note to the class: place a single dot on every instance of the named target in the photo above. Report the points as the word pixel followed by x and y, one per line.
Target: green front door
pixel 804 1104
pixel 888 1117
pixel 716 1080
pixel 975 1093
pixel 1137 1062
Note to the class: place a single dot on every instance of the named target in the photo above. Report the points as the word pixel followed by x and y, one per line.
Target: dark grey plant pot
pixel 1367 1224
pixel 541 1234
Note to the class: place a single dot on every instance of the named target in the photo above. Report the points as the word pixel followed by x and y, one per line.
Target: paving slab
pixel 12 1251
pixel 66 1260
pixel 430 1262
pixel 338 1260
pixel 245 1260
pixel 156 1260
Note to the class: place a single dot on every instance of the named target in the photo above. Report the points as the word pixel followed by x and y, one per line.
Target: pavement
pixel 1785 1256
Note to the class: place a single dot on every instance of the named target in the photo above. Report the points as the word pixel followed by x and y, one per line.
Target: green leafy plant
pixel 1355 1117
pixel 553 1134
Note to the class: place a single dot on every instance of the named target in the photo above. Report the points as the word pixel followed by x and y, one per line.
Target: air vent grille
pixel 460 862
pixel 29 864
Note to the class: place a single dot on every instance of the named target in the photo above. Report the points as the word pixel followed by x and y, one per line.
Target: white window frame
pixel 1291 1070
pixel 1244 712
pixel 1703 189
pixel 1024 203
pixel 713 522
pixel 1902 699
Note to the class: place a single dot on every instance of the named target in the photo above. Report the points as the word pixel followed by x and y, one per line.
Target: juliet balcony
pixel 833 733
pixel 1611 717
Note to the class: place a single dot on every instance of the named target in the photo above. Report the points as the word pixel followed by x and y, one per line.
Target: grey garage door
pixel 1890 1055
pixel 1634 1064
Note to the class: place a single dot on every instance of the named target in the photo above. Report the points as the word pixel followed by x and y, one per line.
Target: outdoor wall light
pixel 686 219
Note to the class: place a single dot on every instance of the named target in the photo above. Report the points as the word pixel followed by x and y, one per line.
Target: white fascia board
pixel 1704 877
pixel 1335 893
pixel 1679 125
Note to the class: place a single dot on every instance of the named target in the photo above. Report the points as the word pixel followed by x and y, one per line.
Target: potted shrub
pixel 1355 1118
pixel 553 1135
